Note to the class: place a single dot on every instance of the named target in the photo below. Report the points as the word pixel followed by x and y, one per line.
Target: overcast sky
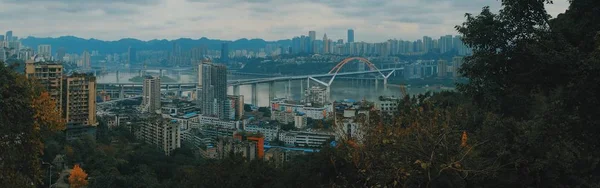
pixel 372 20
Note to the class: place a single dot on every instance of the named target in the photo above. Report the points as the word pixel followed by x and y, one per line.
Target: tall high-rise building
pixel 350 35
pixel 225 52
pixel 45 51
pixel 79 99
pixel 427 44
pixel 60 53
pixel 131 56
pixel 1 38
pixel 325 44
pixel 442 68
pixel 456 65
pixel 8 36
pixel 312 36
pixel 214 90
pixel 49 75
pixel 151 95
pixel 86 60
pixel 236 107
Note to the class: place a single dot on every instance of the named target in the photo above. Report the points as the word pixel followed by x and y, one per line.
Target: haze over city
pixel 299 93
pixel 374 21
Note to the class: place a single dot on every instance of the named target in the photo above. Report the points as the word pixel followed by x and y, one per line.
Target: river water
pixel 342 88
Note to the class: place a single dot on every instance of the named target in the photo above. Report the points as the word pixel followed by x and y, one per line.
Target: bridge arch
pixel 341 64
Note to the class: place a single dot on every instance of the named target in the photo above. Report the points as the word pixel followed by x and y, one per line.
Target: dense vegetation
pixel 528 117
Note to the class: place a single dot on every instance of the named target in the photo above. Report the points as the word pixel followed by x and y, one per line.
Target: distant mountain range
pixel 78 45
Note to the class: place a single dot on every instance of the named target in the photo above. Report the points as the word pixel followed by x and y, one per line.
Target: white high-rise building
pixel 45 51
pixel 213 94
pixel 151 95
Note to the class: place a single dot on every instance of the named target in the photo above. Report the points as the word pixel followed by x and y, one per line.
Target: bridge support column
pixel 376 84
pixel 236 90
pixel 167 87
pixel 254 94
pixel 301 89
pixel 117 76
pixel 289 91
pixel 121 92
pixel 271 91
pixel 385 80
pixel 180 91
pixel 328 94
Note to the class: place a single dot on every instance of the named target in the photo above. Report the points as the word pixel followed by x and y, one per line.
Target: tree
pixel 47 117
pixel 20 143
pixel 535 79
pixel 78 177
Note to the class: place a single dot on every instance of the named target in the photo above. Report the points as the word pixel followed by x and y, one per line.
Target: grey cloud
pixel 136 2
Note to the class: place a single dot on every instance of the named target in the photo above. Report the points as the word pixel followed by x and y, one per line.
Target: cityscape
pixel 506 100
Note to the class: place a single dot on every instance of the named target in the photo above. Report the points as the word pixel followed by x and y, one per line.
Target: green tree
pixel 20 143
pixel 537 78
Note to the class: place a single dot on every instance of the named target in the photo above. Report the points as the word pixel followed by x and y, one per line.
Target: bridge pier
pixel 289 91
pixel 376 84
pixel 180 92
pixel 254 94
pixel 271 91
pixel 301 89
pixel 121 92
pixel 385 80
pixel 236 90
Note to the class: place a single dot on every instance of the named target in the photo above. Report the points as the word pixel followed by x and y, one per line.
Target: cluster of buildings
pixel 11 47
pixel 75 95
pixel 432 68
pixel 309 44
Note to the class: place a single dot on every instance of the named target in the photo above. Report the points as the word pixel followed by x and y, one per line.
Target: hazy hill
pixel 78 45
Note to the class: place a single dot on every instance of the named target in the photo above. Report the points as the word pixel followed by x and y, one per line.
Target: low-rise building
pixel 312 139
pixel 281 106
pixel 300 120
pixel 209 120
pixel 159 132
pixel 228 145
pixel 350 119
pixel 386 104
pixel 270 133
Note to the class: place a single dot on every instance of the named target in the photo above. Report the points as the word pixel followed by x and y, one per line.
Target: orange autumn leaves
pixel 47 117
pixel 78 177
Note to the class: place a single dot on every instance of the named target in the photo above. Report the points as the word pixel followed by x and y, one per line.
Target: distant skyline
pixel 372 20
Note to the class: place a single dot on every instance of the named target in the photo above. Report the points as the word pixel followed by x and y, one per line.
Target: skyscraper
pixel 79 99
pixel 151 94
pixel 8 36
pixel 214 90
pixel 427 43
pixel 1 39
pixel 224 52
pixel 45 51
pixel 350 35
pixel 86 59
pixel 312 37
pixel 60 53
pixel 325 44
pixel 131 56
pixel 442 68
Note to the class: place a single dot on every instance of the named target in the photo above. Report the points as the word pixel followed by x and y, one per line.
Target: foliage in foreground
pixel 528 117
